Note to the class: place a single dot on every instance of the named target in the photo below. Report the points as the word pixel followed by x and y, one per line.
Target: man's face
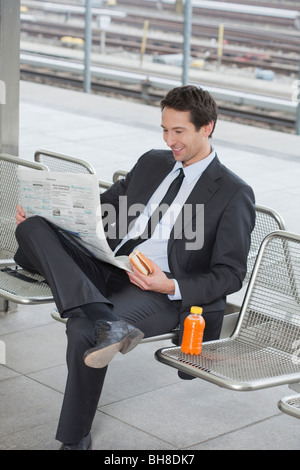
pixel 187 144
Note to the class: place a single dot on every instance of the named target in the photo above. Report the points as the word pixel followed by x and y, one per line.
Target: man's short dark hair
pixel 199 102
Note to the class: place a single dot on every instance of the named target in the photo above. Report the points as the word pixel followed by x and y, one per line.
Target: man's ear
pixel 208 128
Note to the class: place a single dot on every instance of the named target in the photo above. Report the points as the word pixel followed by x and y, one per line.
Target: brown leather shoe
pixel 111 337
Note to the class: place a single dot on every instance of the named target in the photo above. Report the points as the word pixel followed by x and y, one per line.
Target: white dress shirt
pixel 155 248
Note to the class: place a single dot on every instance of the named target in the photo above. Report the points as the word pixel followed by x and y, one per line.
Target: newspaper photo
pixel 71 201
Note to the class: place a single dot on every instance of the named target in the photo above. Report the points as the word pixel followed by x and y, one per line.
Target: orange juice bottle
pixel 194 325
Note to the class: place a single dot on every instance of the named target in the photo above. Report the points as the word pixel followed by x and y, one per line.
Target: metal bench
pixel 267 220
pixel 261 351
pixel 16 284
pixel 290 405
pixel 66 164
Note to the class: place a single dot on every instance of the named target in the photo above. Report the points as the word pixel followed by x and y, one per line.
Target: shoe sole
pixel 99 358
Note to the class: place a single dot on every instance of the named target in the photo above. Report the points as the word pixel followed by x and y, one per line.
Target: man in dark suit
pixel 198 248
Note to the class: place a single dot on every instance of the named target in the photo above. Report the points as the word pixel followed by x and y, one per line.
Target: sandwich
pixel 141 263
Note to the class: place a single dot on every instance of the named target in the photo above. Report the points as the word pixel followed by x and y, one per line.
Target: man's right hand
pixel 20 215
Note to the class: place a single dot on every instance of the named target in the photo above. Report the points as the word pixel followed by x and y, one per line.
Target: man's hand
pixel 156 282
pixel 20 215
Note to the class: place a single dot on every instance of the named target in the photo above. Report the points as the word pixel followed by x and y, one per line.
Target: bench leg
pixel 7 307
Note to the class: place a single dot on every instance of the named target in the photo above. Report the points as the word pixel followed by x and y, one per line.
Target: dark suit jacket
pixel 208 274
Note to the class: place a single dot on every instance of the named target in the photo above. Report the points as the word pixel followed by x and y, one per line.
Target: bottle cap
pixel 197 310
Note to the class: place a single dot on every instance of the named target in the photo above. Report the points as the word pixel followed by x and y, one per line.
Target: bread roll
pixel 140 262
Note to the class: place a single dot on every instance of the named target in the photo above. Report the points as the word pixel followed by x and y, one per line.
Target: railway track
pixel 275 46
pixel 146 6
pixel 235 32
pixel 286 62
pixel 275 121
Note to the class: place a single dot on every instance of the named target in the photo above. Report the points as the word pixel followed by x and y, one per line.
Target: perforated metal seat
pixel 16 284
pixel 63 163
pixel 267 220
pixel 261 351
pixel 290 405
pixel 66 164
pixel 23 287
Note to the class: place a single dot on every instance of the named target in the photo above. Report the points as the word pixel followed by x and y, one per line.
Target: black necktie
pixel 163 206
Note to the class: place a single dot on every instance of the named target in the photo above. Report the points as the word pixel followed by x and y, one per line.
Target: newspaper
pixel 71 201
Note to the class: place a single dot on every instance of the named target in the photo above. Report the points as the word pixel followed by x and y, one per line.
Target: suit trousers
pixel 77 279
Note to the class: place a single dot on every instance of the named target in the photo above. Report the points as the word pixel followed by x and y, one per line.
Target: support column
pixel 87 46
pixel 9 86
pixel 9 75
pixel 187 41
